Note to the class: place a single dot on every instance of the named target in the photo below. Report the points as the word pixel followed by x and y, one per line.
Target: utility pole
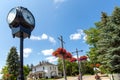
pixel 63 60
pixel 79 63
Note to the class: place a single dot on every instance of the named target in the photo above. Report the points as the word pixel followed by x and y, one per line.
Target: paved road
pixel 87 77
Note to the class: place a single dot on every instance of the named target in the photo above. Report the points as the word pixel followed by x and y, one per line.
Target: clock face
pixel 11 16
pixel 28 17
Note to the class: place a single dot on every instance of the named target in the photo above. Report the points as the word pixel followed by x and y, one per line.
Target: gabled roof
pixel 43 63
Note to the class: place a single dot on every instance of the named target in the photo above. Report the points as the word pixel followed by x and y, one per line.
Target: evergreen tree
pixel 114 50
pixel 107 44
pixel 13 63
pixel 102 44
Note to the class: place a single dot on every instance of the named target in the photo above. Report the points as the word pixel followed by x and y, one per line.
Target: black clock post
pixel 21 22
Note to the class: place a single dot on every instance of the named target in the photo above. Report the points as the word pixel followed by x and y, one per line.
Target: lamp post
pixel 63 60
pixel 79 63
pixel 21 22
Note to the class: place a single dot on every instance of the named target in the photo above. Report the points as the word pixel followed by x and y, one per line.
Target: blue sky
pixel 53 18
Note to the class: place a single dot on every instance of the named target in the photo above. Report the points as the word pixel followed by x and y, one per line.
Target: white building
pixel 44 70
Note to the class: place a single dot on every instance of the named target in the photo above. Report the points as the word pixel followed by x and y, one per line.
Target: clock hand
pixel 28 17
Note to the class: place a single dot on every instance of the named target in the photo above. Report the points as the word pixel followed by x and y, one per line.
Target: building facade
pixel 44 70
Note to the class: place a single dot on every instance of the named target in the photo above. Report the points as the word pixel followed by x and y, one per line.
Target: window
pixel 34 69
pixel 43 68
pixel 50 67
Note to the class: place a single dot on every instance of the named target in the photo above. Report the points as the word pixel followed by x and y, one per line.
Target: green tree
pixel 92 39
pixel 114 41
pixel 106 42
pixel 12 63
pixel 86 68
pixel 27 69
pixel 11 69
pixel 71 67
pixel 5 73
pixel 109 44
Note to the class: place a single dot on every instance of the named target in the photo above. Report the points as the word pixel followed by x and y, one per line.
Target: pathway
pixel 86 77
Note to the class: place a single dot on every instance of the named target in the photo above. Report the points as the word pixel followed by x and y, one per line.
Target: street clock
pixel 20 19
pixel 21 22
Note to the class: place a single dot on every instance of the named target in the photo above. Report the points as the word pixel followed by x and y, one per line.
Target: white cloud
pixel 47 52
pixel 27 52
pixel 78 35
pixel 58 1
pixel 51 59
pixel 52 40
pixel 75 56
pixel 43 37
pixel 85 37
pixel 80 31
pixel 35 38
pixel 75 36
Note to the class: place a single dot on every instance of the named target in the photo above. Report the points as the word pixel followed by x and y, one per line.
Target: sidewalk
pixel 86 77
pixel 92 77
